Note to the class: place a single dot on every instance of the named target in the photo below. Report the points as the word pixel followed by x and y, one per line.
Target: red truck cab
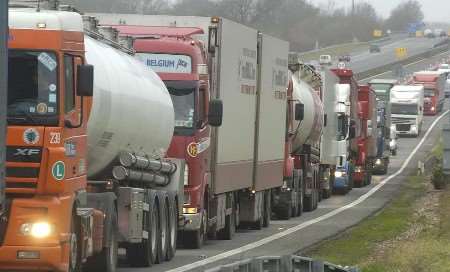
pixel 181 62
pixel 367 139
pixel 434 84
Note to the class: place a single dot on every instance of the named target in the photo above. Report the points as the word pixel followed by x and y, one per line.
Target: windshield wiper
pixel 27 117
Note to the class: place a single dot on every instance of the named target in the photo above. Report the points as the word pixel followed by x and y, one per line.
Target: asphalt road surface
pixel 365 61
pixel 332 217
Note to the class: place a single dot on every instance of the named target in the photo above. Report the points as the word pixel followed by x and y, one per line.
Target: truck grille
pixel 22 170
pixel 403 127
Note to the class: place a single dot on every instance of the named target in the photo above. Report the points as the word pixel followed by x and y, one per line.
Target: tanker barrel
pixel 122 173
pixel 130 160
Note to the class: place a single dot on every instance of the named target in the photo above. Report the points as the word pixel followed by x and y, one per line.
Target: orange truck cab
pixel 45 112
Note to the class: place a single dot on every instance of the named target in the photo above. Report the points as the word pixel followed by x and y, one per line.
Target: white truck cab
pixel 407 109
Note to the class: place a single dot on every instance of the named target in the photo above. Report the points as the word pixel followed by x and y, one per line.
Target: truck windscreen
pixel 429 93
pixel 32 88
pixel 404 109
pixel 183 99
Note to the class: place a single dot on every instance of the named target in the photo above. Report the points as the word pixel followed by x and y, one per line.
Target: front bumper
pixel 50 259
pixel 428 111
pixel 193 221
pixel 358 177
pixel 341 183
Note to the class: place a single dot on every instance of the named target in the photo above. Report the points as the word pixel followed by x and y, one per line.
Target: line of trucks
pixel 171 130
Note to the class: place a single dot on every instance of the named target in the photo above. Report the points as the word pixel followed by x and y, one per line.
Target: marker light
pixel 37 230
pixel 41 25
pixel 378 162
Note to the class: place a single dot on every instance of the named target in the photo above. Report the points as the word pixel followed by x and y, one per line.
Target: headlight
pixel 394 127
pixel 432 108
pixel 186 175
pixel 358 169
pixel 338 174
pixel 37 230
pixel 413 128
pixel 378 162
pixel 392 144
pixel 190 210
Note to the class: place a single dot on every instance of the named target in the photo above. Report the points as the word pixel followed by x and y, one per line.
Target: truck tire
pixel 228 231
pixel 285 212
pixel 308 203
pixel 164 228
pixel 195 239
pixel 74 246
pixel 258 224
pixel 173 226
pixel 144 254
pixel 106 260
pixel 267 209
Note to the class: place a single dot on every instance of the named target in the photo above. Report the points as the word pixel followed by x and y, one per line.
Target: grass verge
pixel 355 246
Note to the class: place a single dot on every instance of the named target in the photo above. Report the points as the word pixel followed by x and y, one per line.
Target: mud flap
pixel 104 202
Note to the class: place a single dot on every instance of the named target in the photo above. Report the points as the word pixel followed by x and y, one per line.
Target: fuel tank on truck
pixel 310 129
pixel 131 111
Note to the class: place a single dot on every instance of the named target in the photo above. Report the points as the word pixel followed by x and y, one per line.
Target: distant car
pixel 325 60
pixel 444 66
pixel 345 58
pixel 374 48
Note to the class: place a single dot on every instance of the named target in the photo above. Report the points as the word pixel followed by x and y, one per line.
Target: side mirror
pixel 212 40
pixel 352 132
pixel 299 112
pixel 215 113
pixel 85 80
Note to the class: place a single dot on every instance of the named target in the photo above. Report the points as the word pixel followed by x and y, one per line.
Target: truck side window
pixel 69 97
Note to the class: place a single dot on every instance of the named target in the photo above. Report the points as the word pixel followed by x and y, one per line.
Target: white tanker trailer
pixel 310 128
pixel 130 128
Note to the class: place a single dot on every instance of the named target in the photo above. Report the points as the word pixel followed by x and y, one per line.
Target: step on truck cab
pixel 86 169
pixel 434 90
pixel 248 71
pixel 407 109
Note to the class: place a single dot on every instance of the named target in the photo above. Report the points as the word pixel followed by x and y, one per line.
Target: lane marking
pixel 414 63
pixel 306 224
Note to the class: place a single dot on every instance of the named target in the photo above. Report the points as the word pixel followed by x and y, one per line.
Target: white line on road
pixel 306 224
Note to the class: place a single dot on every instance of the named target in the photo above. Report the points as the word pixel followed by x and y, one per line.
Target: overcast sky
pixel 435 10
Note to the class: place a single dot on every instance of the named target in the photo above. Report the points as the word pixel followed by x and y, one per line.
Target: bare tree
pixel 405 13
pixel 241 11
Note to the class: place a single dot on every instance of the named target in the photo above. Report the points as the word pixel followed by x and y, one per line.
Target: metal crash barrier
pixel 281 264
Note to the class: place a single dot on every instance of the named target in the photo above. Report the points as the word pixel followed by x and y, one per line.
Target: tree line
pixel 297 21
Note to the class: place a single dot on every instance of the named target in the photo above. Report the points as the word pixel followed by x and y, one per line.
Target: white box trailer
pixel 247 156
pixel 248 72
